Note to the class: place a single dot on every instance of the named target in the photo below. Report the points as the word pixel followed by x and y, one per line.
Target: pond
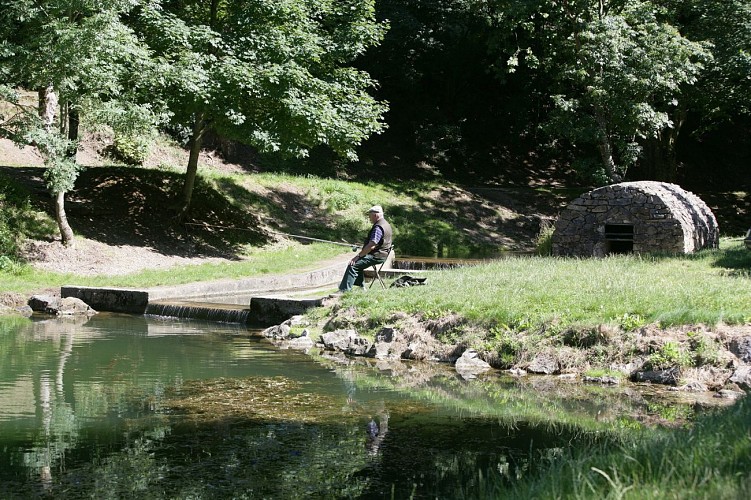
pixel 121 406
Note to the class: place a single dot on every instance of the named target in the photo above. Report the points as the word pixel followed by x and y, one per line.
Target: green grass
pixel 544 292
pixel 423 225
pixel 307 206
pixel 711 460
pixel 295 258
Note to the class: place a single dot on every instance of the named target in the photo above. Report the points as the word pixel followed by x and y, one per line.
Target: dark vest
pixel 381 251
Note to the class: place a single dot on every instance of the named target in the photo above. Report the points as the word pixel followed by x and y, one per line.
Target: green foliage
pixel 544 240
pixel 17 221
pixel 11 266
pixel 724 90
pixel 630 322
pixel 61 174
pixel 505 343
pixel 91 62
pixel 131 149
pixel 668 356
pixel 6 264
pixel 626 64
pixel 269 73
pixel 704 349
pixel 617 71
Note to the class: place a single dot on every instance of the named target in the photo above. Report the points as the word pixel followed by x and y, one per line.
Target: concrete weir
pixel 194 300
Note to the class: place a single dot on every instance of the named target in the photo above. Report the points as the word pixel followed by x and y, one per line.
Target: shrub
pixel 544 240
pixel 669 355
pixel 506 344
pixel 630 322
pixel 706 351
pixel 131 149
pixel 12 207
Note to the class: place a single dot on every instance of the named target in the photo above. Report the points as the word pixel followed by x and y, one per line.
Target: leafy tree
pixel 722 92
pixel 81 54
pixel 618 71
pixel 724 89
pixel 269 73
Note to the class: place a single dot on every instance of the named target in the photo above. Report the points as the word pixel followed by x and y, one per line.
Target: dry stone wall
pixel 639 217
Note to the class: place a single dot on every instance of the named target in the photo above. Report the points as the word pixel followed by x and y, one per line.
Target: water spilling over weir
pixel 221 313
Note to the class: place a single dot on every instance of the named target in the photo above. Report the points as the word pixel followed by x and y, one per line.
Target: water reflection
pixel 120 406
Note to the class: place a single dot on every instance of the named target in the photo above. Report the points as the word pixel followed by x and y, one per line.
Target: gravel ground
pixel 91 258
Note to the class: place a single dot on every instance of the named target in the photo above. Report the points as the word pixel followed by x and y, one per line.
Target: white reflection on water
pixel 17 398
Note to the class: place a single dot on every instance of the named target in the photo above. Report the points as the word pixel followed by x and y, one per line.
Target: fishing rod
pixel 353 247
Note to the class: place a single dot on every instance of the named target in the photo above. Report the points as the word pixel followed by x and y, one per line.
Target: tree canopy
pixel 606 86
pixel 83 56
pixel 271 73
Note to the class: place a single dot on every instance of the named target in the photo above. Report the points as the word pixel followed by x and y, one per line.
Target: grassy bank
pixel 710 460
pixel 552 294
pixel 591 315
pixel 243 215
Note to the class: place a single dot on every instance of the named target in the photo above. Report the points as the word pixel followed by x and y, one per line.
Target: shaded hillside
pixel 134 208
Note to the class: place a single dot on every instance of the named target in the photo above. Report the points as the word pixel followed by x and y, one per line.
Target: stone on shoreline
pixel 68 306
pixel 469 364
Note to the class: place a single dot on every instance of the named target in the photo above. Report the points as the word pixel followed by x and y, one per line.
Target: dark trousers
pixel 355 273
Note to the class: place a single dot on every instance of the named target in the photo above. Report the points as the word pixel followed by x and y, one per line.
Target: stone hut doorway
pixel 619 238
pixel 635 217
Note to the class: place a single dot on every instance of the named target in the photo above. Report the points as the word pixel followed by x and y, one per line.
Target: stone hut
pixel 638 217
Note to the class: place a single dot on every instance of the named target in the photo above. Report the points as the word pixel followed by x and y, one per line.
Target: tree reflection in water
pixel 130 406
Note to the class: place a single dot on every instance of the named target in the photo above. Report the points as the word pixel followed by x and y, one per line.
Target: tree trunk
pixel 661 159
pixel 64 119
pixel 66 233
pixel 606 152
pixel 73 122
pixel 196 141
pixel 47 106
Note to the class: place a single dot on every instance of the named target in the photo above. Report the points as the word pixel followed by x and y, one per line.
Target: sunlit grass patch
pixel 528 293
pixel 696 462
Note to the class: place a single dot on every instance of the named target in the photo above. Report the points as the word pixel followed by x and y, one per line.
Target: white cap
pixel 376 208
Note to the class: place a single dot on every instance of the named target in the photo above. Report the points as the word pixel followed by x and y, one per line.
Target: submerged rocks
pixel 604 380
pixel 670 376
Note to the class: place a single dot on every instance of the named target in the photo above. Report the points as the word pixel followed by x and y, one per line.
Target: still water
pixel 121 406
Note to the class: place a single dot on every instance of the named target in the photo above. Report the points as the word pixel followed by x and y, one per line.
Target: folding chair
pixel 377 270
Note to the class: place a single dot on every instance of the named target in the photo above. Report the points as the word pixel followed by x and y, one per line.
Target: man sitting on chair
pixel 374 251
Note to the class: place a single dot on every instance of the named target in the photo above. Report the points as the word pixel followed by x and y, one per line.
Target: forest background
pixel 588 92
